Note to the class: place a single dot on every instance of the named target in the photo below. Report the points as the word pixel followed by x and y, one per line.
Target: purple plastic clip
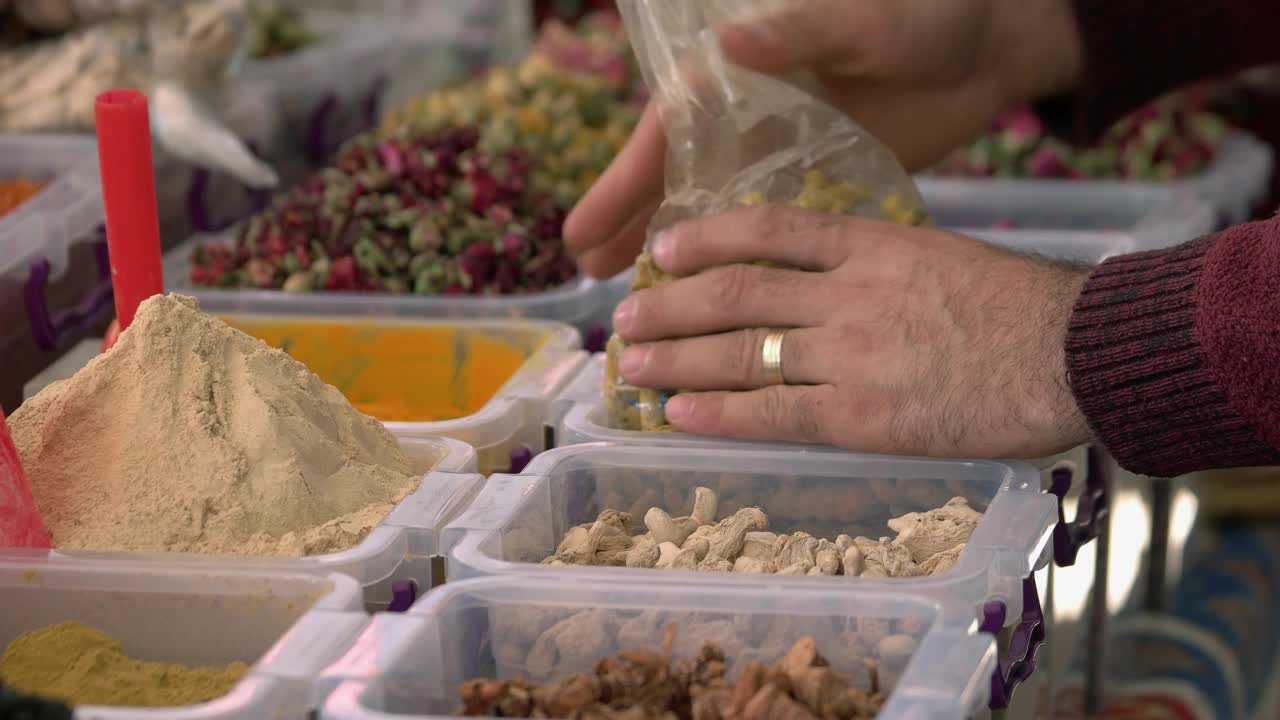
pixel 320 143
pixel 1027 638
pixel 595 339
pixel 198 207
pixel 403 593
pixel 52 331
pixel 1091 511
pixel 520 459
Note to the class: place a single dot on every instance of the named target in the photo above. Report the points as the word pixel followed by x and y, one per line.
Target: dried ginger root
pixel 641 684
pixel 928 543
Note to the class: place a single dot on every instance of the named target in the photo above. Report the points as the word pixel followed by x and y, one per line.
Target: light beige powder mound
pixel 191 436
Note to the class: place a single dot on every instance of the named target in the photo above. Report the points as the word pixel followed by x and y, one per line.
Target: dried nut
pixel 667 529
pixel 704 506
pixel 800 547
pixel 896 649
pixel 759 545
pixel 843 543
pixel 686 559
pixel 726 541
pixel 943 561
pixel 828 561
pixel 852 564
pixel 715 565
pixel 643 556
pixel 575 537
pixel 753 565
pixel 703 531
pixel 929 533
pixel 699 545
pixel 895 560
pixel 666 553
pixel 797 569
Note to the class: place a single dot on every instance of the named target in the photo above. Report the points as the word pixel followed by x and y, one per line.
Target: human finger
pixel 809 34
pixel 797 238
pixel 788 413
pixel 727 361
pixel 619 251
pixel 726 298
pixel 631 182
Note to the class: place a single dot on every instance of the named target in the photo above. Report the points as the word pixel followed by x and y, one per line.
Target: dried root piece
pixel 928 543
pixel 639 684
pixel 929 533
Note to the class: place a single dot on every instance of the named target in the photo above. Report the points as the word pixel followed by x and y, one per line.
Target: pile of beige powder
pixel 190 436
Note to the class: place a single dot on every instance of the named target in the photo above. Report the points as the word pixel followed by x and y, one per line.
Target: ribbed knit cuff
pixel 1135 52
pixel 1140 375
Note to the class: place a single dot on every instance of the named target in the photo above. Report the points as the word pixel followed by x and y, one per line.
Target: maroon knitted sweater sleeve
pixel 1174 355
pixel 1135 51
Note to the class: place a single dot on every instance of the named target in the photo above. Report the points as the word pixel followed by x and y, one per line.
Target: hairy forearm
pixel 1174 355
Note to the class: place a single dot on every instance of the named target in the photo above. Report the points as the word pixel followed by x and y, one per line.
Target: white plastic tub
pixel 1232 186
pixel 517 520
pixel 47 302
pixel 288 627
pixel 400 548
pixel 583 303
pixel 412 665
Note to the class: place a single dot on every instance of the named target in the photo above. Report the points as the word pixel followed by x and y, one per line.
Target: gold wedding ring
pixel 771 357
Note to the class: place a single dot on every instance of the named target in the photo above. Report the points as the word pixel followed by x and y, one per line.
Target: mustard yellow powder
pixel 79 665
pixel 401 372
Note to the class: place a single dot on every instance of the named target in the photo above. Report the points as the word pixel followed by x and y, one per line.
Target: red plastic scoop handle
pixel 129 198
pixel 20 522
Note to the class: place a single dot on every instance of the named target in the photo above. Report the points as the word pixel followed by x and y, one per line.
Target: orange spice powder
pixel 15 192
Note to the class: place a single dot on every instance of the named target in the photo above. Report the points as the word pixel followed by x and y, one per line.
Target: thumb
pixel 802 35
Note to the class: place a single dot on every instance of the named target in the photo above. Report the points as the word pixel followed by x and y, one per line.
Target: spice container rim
pixel 947 676
pixel 1010 542
pixel 1234 182
pixel 63 212
pixel 279 679
pixel 569 303
pixel 411 527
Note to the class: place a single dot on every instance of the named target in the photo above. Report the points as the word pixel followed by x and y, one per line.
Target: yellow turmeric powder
pixel 79 665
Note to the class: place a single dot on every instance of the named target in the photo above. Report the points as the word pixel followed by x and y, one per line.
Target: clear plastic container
pixel 517 520
pixel 54 281
pixel 492 379
pixel 1233 186
pixel 1155 218
pixel 412 665
pixel 488 381
pixel 400 548
pixel 289 626
pixel 584 303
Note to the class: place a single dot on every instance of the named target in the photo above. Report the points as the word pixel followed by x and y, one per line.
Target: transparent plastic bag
pixel 736 137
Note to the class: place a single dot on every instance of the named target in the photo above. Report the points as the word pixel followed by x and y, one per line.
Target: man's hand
pixel 901 340
pixel 923 76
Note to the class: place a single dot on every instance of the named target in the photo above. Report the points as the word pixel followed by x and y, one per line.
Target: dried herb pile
pixel 1174 137
pixel 640 684
pixel 463 191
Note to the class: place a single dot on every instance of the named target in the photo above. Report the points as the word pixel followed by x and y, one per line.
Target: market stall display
pixel 1175 148
pixel 462 192
pixel 256 634
pixel 418 664
pixel 53 272
pixel 969 531
pixel 276 463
